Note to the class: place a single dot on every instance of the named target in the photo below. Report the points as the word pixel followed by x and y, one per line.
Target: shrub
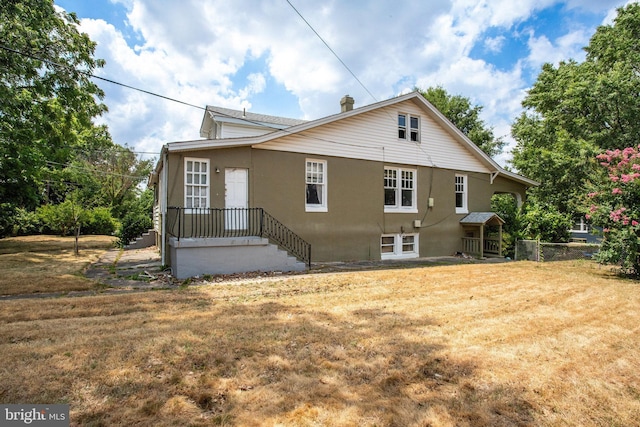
pixel 100 221
pixel 615 206
pixel 7 219
pixel 26 223
pixel 546 223
pixel 61 219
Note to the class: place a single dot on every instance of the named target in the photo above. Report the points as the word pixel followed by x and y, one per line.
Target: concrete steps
pixel 196 257
pixel 147 240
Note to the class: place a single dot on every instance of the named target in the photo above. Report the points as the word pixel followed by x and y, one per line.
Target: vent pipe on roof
pixel 346 104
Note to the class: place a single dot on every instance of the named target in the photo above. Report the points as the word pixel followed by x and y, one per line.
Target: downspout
pixel 163 208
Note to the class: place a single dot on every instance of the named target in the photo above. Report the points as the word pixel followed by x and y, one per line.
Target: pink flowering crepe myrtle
pixel 617 201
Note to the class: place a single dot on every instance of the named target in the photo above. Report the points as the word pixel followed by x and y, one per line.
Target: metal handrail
pixel 235 222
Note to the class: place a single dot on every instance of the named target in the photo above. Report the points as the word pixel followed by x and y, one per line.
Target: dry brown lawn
pixel 513 344
pixel 47 264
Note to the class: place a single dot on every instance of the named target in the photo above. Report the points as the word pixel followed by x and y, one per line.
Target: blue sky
pixel 260 55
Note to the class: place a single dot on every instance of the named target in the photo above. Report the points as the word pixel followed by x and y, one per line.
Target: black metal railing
pixel 235 222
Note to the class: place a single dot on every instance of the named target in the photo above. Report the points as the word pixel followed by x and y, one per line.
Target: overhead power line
pixel 88 74
pixel 332 51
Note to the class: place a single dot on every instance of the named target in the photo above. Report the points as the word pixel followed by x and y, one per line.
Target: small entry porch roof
pixel 480 246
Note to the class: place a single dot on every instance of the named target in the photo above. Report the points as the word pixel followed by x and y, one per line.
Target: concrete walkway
pixel 142 269
pixel 130 269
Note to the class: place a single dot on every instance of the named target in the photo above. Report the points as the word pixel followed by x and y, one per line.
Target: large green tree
pixel 47 99
pixel 576 110
pixel 466 117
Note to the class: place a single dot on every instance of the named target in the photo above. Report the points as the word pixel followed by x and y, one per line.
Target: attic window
pixel 413 130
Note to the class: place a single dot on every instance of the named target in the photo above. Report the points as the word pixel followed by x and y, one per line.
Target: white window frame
pixel 203 189
pixel 407 128
pixel 401 183
pixel 583 226
pixel 461 187
pixel 400 246
pixel 311 178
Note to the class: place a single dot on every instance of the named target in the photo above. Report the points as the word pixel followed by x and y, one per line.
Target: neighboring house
pixel 390 180
pixel 583 232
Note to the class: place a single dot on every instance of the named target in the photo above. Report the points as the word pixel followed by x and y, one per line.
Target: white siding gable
pixel 373 135
pixel 232 130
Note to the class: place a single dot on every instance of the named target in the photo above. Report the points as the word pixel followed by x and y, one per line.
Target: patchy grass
pixel 514 344
pixel 44 264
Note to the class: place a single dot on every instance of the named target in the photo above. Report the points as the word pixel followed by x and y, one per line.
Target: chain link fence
pixel 534 250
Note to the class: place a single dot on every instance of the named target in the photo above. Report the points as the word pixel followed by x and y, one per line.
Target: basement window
pixel 397 246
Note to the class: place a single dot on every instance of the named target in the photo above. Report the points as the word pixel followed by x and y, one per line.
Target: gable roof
pixel 247 118
pixel 478 218
pixel 303 126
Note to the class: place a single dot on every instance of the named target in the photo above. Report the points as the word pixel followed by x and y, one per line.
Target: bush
pixel 100 221
pixel 546 223
pixel 7 219
pixel 56 219
pixel 26 223
pixel 614 206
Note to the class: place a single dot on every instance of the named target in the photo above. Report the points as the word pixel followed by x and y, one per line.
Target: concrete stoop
pixel 197 257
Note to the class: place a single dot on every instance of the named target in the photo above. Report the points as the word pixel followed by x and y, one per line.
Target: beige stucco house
pixel 390 180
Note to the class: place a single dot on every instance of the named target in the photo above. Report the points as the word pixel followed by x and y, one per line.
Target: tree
pixel 109 177
pixel 615 206
pixel 465 117
pixel 575 111
pixel 47 100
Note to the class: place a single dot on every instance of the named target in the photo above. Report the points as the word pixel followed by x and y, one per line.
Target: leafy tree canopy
pixel 47 100
pixel 465 117
pixel 576 110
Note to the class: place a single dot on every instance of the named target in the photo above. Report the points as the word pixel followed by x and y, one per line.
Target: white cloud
pixel 202 53
pixel 494 44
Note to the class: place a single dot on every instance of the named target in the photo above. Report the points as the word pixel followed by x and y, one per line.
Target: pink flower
pixel 614 178
pixel 606 230
pixel 588 217
pixel 634 223
pixel 616 191
pixel 594 194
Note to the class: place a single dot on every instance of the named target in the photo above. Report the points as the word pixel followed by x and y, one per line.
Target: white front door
pixel 236 196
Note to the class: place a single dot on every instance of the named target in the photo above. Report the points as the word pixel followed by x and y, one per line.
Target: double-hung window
pixel 399 246
pixel 196 183
pixel 461 194
pixel 316 186
pixel 400 190
pixel 409 127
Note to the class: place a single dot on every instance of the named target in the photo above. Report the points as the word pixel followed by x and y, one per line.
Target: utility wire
pixel 88 74
pixel 332 51
pixel 94 171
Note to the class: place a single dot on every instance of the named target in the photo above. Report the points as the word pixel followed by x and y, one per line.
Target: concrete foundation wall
pixel 196 257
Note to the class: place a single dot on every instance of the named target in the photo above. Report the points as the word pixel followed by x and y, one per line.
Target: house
pixel 583 232
pixel 390 180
